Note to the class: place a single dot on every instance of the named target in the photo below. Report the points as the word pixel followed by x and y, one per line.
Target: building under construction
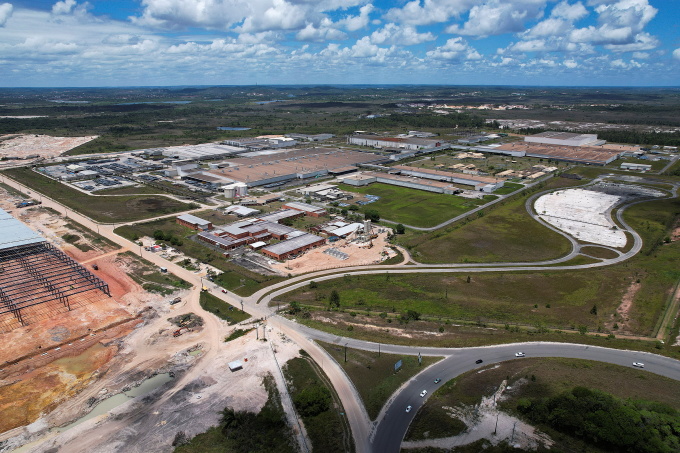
pixel 37 280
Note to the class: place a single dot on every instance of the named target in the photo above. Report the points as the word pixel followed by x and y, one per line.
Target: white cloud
pixel 455 49
pixel 676 54
pixel 428 12
pixel 64 7
pixel 324 32
pixel 571 64
pixel 569 12
pixel 6 10
pixel 641 41
pixel 560 22
pixel 621 64
pixel 619 23
pixel 641 55
pixel 353 23
pixel 405 35
pixel 496 17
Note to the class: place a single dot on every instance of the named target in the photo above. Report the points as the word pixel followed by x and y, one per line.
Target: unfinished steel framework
pixel 38 280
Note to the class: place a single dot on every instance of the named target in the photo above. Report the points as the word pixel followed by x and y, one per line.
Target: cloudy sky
pixel 234 42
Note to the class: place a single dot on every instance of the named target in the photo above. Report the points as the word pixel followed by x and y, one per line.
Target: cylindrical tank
pixel 230 191
pixel 241 189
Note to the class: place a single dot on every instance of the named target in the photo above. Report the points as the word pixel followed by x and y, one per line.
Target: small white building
pixel 635 167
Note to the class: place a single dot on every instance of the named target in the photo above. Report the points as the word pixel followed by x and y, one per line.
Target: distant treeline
pixel 425 120
pixel 608 422
pixel 622 136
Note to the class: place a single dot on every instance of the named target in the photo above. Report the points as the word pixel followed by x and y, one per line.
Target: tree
pixel 372 215
pixel 313 400
pixel 400 229
pixel 334 299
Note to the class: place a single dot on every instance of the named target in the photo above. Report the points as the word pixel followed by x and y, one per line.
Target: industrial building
pixel 308 209
pixel 408 143
pixel 193 222
pixel 196 152
pixel 262 142
pixel 311 138
pixel 565 139
pixel 285 249
pixel 635 167
pixel 480 183
pixel 274 169
pixel 592 155
pixel 37 279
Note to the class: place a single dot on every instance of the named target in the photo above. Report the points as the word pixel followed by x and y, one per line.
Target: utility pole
pixel 496 428
pixel 242 305
pixel 345 352
pixel 513 433
pixel 378 349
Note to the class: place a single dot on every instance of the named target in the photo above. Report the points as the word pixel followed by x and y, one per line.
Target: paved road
pixel 392 428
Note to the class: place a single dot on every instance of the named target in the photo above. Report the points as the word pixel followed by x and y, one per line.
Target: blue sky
pixel 235 42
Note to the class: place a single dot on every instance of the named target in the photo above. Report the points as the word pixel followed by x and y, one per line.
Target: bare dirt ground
pixel 622 311
pixel 481 423
pixel 21 145
pixel 359 254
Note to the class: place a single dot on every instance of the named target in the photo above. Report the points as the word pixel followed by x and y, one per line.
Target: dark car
pixel 479 361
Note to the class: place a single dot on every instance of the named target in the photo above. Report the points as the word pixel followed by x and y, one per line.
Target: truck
pixel 179 331
pixel 176 300
pixel 24 204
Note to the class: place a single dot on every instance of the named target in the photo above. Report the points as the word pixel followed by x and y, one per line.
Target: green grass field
pixel 507 233
pixel 494 297
pixel 130 190
pixel 550 377
pixel 507 188
pixel 374 376
pixel 107 209
pixel 220 308
pixel 414 207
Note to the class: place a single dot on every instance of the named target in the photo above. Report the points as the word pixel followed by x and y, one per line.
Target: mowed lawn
pixel 505 234
pixel 107 209
pixel 415 207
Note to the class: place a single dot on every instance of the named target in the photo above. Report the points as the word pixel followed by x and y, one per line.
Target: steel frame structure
pixel 39 273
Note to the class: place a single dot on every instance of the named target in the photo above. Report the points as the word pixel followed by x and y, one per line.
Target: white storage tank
pixel 241 189
pixel 229 191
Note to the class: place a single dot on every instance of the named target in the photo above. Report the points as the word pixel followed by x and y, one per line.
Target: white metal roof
pixel 193 219
pixel 14 233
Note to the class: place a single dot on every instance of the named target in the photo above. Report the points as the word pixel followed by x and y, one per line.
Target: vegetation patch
pixel 318 406
pixel 222 309
pixel 237 333
pixel 373 374
pixel 610 423
pixel 245 432
pixel 414 207
pixel 103 208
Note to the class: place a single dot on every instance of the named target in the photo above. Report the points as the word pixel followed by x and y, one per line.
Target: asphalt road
pixel 392 427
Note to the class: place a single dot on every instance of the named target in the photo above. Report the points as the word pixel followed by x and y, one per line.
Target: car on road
pixel 519 354
pixel 224 291
pixel 423 393
pixel 437 381
pixel 638 364
pixel 408 409
pixel 478 361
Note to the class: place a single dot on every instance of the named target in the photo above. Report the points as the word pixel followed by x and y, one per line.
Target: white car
pixel 423 393
pixel 638 364
pixel 519 354
pixel 408 409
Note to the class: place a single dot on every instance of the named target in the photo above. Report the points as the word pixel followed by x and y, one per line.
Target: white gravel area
pixel 583 214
